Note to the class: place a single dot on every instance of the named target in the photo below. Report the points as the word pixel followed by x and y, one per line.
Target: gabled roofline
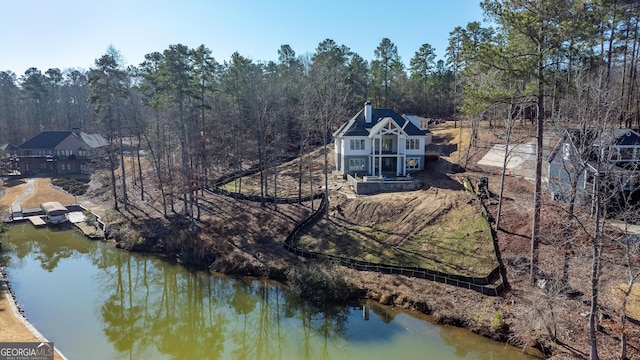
pixel 374 130
pixel 556 149
pixel 346 125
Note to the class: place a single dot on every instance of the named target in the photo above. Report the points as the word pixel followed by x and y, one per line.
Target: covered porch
pixel 388 150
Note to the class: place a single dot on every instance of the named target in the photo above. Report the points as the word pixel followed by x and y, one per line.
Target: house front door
pixel 389 164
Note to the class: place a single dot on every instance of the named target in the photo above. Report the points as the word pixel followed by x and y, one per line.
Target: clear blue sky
pixel 73 33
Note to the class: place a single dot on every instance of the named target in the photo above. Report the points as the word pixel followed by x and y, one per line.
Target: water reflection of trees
pixel 324 326
pixel 472 347
pixel 152 306
pixel 45 245
pixel 149 307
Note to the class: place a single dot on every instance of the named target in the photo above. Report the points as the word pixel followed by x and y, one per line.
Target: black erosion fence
pixel 216 189
pixel 483 285
pixel 491 285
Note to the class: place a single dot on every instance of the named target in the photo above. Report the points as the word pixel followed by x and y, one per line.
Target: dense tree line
pixel 198 118
pixel 58 99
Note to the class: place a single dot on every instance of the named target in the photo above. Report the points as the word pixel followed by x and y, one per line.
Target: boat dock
pixel 37 221
pixel 74 216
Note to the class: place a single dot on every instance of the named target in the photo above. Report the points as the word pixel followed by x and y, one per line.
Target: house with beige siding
pixel 60 152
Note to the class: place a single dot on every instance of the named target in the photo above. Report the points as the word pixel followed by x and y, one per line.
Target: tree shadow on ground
pixel 439 174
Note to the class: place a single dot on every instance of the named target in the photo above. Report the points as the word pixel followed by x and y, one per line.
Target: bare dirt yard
pixel 557 311
pixel 43 191
pixel 9 192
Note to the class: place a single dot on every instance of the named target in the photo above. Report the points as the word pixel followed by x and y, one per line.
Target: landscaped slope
pixel 437 229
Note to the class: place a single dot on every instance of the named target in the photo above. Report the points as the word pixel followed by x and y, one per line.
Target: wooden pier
pixel 37 221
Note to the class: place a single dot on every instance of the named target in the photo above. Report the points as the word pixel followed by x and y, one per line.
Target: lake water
pixel 97 302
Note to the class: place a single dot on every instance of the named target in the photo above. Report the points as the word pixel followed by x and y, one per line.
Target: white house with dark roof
pixel 380 142
pixel 580 157
pixel 60 152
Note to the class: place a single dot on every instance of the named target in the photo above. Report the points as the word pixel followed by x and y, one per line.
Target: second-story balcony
pixel 386 152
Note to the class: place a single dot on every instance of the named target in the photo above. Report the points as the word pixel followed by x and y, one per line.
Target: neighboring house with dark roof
pixel 380 142
pixel 9 150
pixel 8 159
pixel 60 152
pixel 579 157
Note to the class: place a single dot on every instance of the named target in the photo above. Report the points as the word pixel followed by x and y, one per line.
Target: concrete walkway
pixel 28 190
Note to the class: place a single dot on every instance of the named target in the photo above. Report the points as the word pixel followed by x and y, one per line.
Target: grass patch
pixel 459 242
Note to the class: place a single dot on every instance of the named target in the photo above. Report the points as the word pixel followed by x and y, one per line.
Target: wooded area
pixel 192 114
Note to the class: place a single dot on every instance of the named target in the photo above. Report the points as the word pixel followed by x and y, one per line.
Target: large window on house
pixel 356 144
pixel 82 152
pixel 387 145
pixel 413 144
pixel 412 163
pixel 356 164
pixel 626 154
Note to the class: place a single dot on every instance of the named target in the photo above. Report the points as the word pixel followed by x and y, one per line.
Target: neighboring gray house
pixel 575 157
pixel 60 152
pixel 380 142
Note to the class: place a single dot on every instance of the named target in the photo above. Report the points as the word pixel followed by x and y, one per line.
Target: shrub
pixel 320 287
pixel 61 182
pixel 496 322
pixel 89 218
pixel 71 186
